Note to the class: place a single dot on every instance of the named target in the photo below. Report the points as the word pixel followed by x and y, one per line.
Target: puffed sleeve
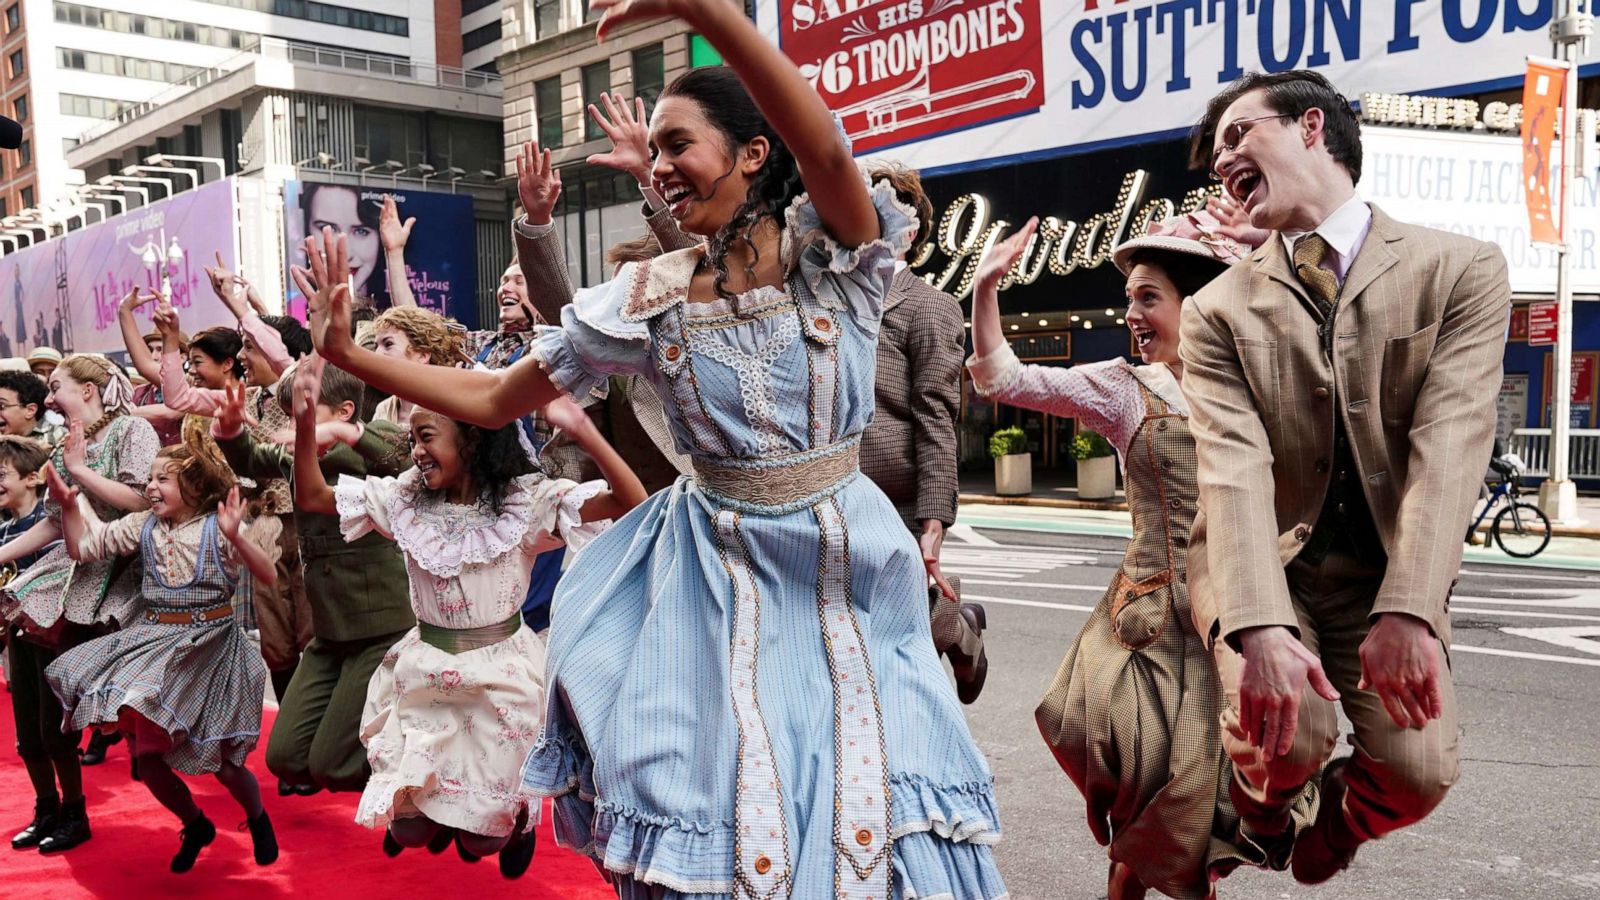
pixel 593 341
pixel 103 540
pixel 558 513
pixel 363 505
pixel 854 279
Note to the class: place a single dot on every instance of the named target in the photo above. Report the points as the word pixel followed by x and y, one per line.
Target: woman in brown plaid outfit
pixel 1132 715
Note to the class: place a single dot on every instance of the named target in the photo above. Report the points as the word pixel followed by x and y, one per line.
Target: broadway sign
pixel 951 84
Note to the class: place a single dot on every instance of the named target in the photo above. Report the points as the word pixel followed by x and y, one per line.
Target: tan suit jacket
pixel 1417 346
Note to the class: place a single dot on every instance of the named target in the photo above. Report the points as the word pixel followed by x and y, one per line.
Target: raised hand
pixel 222 284
pixel 134 300
pixel 230 513
pixel 621 12
pixel 1233 222
pixel 325 282
pixel 624 124
pixel 62 493
pixel 538 183
pixel 997 260
pixel 72 452
pixel 307 389
pixel 231 413
pixel 243 286
pixel 391 231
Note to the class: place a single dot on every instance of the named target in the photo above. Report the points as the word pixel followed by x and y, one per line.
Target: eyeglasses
pixel 1233 136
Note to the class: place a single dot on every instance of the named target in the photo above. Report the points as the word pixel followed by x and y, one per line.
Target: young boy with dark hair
pixel 22 409
pixel 60 821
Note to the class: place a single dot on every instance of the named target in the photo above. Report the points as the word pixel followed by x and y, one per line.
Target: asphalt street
pixel 1522 821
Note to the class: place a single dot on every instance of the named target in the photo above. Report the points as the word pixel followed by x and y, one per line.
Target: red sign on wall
pixel 1542 321
pixel 901 70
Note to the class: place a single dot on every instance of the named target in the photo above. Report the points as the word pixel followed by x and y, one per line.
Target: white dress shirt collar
pixel 1345 230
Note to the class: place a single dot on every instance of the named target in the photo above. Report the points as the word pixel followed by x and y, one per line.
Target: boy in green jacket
pixel 360 598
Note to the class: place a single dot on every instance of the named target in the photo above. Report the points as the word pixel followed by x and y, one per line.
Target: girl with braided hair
pixel 183 682
pixel 744 698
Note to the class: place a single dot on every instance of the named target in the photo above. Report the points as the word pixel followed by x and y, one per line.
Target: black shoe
pixel 46 814
pixel 196 836
pixel 285 789
pixel 517 854
pixel 442 839
pixel 462 851
pixel 264 839
pixel 95 753
pixel 72 829
pixel 133 768
pixel 391 847
pixel 307 790
pixel 970 681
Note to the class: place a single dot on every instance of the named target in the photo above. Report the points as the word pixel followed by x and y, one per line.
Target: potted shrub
pixel 1097 466
pixel 1013 464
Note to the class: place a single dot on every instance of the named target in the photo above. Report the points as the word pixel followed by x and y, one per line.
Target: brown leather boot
pixel 1328 846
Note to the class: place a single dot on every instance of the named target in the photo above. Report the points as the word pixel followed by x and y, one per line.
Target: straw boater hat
pixel 45 354
pixel 1196 233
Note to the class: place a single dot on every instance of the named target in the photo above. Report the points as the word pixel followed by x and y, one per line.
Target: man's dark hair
pixel 296 339
pixel 29 387
pixel 1291 94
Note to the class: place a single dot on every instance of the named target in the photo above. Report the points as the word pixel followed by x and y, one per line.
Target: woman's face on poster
pixel 339 208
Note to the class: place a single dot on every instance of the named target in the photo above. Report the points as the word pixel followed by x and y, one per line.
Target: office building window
pixel 325 13
pixel 25 153
pixel 387 134
pixel 546 18
pixel 3 211
pixel 596 81
pixel 649 74
pixel 547 109
pixel 13 17
pixel 471 145
pixel 468 7
pixel 481 37
pixel 172 30
pixel 589 15
pixel 92 107
pixel 124 66
pixel 27 197
pixel 19 108
pixel 17 64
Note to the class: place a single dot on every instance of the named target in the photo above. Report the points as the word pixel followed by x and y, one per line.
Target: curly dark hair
pixel 296 339
pixel 1288 93
pixel 728 106
pixel 494 457
pixel 30 388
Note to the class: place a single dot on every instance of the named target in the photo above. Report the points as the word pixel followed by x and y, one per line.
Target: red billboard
pixel 904 70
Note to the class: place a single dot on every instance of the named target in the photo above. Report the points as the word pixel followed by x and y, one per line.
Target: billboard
pixel 441 255
pixel 946 85
pixel 64 293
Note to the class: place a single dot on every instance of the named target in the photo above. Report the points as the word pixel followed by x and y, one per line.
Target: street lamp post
pixel 1558 496
pixel 164 254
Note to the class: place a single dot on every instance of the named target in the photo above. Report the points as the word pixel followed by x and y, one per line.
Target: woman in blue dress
pixel 744 698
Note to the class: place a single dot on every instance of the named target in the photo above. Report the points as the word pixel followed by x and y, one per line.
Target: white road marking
pixel 1520 654
pixel 1523 614
pixel 1067 607
pixel 1050 585
pixel 1579 638
pixel 970 535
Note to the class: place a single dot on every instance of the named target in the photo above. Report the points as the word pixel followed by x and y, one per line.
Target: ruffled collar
pixel 443 537
pixel 656 285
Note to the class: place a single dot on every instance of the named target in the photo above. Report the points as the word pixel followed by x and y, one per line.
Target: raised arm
pixel 107 490
pixel 394 235
pixel 490 399
pixel 784 96
pixel 311 491
pixel 73 523
pixel 626 125
pixel 138 353
pixel 31 541
pixel 626 490
pixel 230 514
pixel 539 252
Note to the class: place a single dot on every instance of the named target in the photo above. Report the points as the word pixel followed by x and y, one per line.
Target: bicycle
pixel 1521 529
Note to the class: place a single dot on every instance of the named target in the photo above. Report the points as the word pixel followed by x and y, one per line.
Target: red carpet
pixel 325 854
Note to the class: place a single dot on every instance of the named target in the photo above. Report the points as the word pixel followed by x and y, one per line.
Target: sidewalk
pixel 1054 507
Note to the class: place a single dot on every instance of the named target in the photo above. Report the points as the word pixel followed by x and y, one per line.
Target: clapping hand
pixel 62 493
pixel 72 447
pixel 230 513
pixel 624 124
pixel 538 183
pixel 307 390
pixel 391 231
pixel 998 260
pixel 326 287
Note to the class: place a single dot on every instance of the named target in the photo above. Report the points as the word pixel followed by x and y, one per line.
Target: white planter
pixel 1013 475
pixel 1097 478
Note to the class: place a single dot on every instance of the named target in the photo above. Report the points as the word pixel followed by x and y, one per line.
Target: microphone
pixel 10 134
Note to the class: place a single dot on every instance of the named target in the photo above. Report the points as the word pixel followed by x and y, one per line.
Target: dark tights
pixel 149 742
pixel 417 831
pixel 49 754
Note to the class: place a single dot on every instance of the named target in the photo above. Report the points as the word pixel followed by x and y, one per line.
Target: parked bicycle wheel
pixel 1521 530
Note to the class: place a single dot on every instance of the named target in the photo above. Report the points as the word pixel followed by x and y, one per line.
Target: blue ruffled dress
pixel 744 699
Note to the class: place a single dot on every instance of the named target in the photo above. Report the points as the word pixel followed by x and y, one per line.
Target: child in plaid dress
pixel 183 682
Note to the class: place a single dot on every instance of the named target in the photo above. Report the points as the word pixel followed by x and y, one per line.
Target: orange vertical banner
pixel 1542 93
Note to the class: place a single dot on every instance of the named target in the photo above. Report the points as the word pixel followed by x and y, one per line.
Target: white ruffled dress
pixel 446 733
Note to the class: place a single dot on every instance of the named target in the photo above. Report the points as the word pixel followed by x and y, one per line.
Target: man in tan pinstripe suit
pixel 1341 382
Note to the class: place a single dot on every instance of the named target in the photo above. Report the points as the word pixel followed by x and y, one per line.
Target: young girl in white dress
pixel 457 704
